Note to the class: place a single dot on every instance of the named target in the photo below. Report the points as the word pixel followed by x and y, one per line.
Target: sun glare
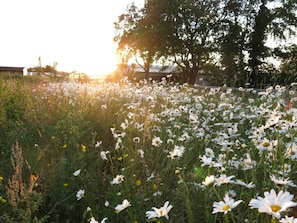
pixel 105 67
pixel 103 60
pixel 98 64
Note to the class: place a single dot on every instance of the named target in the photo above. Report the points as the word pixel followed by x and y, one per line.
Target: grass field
pixel 146 152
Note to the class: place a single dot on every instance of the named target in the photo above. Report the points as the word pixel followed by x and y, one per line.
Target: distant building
pixel 35 73
pixel 156 72
pixel 78 76
pixel 14 70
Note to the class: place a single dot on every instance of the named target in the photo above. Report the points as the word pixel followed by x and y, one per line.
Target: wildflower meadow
pixel 122 152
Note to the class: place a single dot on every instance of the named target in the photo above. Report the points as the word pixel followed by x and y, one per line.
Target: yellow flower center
pixel 266 144
pixel 226 207
pixel 275 207
pixel 161 212
pixel 223 181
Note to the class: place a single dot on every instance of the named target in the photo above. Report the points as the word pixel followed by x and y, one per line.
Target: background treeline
pixel 227 40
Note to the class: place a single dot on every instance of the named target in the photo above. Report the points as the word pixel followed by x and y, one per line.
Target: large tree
pixel 192 27
pixel 180 31
pixel 138 36
pixel 189 33
pixel 273 18
pixel 233 35
pixel 289 61
pixel 247 26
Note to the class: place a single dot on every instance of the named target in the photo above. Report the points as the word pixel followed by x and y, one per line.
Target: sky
pixel 77 34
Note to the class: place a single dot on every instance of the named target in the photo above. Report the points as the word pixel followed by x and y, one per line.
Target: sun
pixel 106 68
pixel 103 66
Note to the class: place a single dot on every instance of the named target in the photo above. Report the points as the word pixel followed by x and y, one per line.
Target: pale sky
pixel 78 34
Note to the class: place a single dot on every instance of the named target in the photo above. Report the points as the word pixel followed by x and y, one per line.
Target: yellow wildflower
pixel 138 183
pixel 2 199
pixel 83 148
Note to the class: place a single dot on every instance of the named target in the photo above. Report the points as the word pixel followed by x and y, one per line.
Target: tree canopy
pixel 194 35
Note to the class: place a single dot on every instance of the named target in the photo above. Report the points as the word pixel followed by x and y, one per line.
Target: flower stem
pixel 187 196
pixel 216 192
pixel 232 217
pixel 273 220
pixel 226 218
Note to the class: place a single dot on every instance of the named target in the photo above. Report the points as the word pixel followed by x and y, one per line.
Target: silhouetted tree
pixel 288 67
pixel 246 28
pixel 274 18
pixel 136 37
pixel 233 42
pixel 191 33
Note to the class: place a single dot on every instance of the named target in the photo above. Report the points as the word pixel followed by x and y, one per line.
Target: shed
pixel 15 70
pixel 156 71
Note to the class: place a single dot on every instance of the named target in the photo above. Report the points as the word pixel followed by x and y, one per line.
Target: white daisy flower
pixel 159 212
pixel 273 203
pixel 287 219
pixel 208 180
pixel 157 141
pixel 80 194
pixel 223 179
pixel 225 206
pixel 77 172
pixel 123 206
pixel 118 179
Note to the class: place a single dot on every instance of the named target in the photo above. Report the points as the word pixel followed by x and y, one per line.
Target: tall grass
pixel 85 148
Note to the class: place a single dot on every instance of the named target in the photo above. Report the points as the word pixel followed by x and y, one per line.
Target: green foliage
pixel 144 142
pixel 138 36
pixel 289 65
pixel 231 37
